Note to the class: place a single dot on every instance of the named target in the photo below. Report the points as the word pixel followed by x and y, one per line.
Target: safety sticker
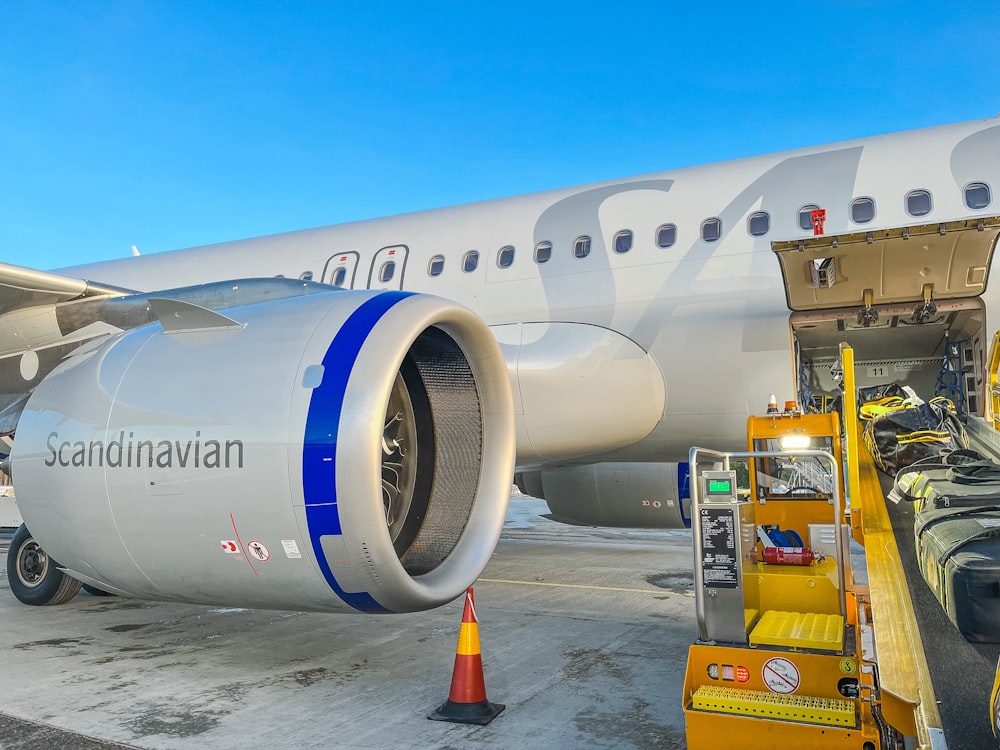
pixel 291 549
pixel 781 676
pixel 847 666
pixel 258 551
pixel 231 547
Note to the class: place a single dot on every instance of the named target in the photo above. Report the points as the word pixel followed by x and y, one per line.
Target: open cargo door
pixel 907 300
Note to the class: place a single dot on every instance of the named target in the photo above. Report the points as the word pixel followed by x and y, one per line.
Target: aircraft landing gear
pixel 34 577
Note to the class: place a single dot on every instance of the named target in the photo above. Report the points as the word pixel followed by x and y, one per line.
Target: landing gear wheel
pixel 34 577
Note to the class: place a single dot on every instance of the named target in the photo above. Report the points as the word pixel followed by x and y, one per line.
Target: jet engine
pixel 626 494
pixel 344 451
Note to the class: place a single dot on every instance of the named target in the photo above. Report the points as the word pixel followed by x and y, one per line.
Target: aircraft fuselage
pixel 673 324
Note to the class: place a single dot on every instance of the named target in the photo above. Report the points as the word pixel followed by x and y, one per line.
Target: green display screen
pixel 720 487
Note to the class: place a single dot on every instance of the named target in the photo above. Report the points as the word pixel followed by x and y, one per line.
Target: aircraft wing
pixel 46 316
pixel 22 287
pixel 28 322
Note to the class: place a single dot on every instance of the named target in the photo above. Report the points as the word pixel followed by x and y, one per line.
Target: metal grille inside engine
pixel 458 443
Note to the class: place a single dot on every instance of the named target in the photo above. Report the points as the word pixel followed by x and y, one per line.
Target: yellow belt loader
pixel 786 649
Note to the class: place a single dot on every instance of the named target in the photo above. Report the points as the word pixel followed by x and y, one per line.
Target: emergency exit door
pixel 387 268
pixel 340 270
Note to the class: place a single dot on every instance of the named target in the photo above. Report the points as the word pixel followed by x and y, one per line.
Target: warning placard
pixel 258 551
pixel 719 562
pixel 781 675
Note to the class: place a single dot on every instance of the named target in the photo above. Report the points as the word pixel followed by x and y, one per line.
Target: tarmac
pixel 584 635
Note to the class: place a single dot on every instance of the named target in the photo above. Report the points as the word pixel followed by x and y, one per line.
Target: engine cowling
pixel 625 494
pixel 349 451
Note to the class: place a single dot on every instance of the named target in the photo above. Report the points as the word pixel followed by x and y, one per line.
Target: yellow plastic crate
pixel 799 630
pixel 834 712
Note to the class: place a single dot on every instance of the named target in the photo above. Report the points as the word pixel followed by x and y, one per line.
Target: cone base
pixel 481 713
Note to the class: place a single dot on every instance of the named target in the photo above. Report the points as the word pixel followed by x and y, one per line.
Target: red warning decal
pixel 258 551
pixel 231 547
pixel 818 216
pixel 781 675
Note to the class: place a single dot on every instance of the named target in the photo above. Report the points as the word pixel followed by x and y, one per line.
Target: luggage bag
pixel 947 488
pixel 958 550
pixel 899 433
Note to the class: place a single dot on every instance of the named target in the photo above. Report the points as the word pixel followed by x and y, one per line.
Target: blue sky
pixel 173 124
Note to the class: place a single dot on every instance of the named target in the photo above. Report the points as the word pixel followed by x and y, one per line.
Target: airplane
pixel 330 419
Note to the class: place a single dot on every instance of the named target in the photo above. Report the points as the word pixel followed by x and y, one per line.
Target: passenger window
pixel 470 261
pixel 339 276
pixel 805 217
pixel 711 229
pixel 543 251
pixel 918 202
pixel 581 247
pixel 759 223
pixel 505 258
pixel 977 195
pixel 862 210
pixel 386 272
pixel 623 241
pixel 666 235
pixel 436 266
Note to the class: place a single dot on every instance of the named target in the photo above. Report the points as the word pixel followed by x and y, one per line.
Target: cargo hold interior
pixel 895 348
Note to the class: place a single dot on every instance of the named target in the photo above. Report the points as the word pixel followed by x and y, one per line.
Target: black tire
pixel 94 591
pixel 34 577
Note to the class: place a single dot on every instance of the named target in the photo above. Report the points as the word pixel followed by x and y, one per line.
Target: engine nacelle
pixel 637 495
pixel 349 451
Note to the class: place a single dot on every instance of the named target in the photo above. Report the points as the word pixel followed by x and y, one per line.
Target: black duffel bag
pixel 958 550
pixel 876 393
pixel 905 433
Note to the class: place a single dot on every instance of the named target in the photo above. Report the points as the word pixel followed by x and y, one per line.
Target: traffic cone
pixel 467 702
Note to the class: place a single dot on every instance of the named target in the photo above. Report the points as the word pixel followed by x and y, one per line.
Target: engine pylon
pixel 467 702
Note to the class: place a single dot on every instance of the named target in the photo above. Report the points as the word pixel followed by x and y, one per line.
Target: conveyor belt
pixel 902 672
pixel 958 674
pixel 961 672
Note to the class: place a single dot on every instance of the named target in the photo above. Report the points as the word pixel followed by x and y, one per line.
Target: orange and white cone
pixel 467 702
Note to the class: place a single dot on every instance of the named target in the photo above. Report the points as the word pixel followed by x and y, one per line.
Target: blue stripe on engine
pixel 319 451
